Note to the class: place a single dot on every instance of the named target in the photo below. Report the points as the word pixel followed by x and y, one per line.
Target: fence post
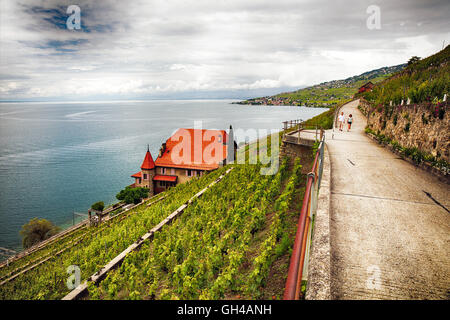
pixel 314 192
pixel 321 156
pixel 305 235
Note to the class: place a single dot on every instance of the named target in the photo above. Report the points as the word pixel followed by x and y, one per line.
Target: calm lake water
pixel 57 158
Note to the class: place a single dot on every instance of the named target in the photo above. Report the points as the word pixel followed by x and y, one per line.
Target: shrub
pixel 132 195
pixel 98 206
pixel 36 231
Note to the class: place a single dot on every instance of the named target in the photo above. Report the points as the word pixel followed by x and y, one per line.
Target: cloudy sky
pixel 204 48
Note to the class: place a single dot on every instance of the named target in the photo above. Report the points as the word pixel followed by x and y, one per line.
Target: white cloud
pixel 145 48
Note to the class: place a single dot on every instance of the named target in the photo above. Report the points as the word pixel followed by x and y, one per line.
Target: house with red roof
pixel 366 87
pixel 186 154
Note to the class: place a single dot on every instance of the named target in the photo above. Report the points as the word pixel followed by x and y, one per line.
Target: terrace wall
pixel 423 126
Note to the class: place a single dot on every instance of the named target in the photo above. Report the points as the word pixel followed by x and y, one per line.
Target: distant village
pixel 285 101
pixel 318 96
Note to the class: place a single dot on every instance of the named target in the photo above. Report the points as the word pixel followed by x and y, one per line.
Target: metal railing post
pixel 298 265
pixel 313 196
pixel 321 156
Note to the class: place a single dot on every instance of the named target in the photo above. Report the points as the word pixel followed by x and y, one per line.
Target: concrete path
pixel 388 239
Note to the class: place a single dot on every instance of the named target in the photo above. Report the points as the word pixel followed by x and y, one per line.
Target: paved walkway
pixel 389 240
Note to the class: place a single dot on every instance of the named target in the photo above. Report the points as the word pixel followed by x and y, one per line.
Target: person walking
pixel 349 121
pixel 341 119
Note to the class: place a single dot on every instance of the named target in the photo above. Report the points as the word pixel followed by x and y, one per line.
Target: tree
pixel 132 195
pixel 36 231
pixel 98 206
pixel 413 59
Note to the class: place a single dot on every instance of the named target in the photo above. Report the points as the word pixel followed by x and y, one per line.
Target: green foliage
pixel 413 59
pixel 98 206
pixel 328 94
pixel 201 254
pixel 315 147
pixel 323 120
pixel 421 81
pixel 92 248
pixel 132 195
pixel 37 230
pixel 414 153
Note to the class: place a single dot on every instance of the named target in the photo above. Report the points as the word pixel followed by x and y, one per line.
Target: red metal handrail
pixel 293 282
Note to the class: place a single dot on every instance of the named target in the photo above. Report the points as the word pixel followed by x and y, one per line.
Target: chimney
pixel 162 149
pixel 230 146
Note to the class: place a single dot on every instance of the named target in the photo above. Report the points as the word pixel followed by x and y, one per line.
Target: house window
pixel 145 176
pixel 163 170
pixel 172 171
pixel 189 172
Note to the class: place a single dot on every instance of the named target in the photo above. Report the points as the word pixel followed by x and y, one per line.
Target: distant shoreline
pixel 278 105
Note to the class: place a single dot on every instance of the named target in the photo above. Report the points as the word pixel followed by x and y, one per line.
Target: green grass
pixel 96 247
pixel 413 153
pixel 327 94
pixel 325 119
pixel 424 81
pixel 223 246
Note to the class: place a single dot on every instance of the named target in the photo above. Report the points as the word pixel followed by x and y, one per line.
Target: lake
pixel 59 158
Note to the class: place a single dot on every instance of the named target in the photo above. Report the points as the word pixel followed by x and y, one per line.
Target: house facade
pixel 366 87
pixel 186 154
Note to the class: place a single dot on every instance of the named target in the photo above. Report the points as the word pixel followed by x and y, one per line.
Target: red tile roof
pixel 148 162
pixel 165 178
pixel 199 145
pixel 137 175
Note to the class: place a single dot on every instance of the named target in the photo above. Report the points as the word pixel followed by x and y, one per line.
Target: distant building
pixel 186 154
pixel 366 87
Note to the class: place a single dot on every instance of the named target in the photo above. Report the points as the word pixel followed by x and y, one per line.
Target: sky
pixel 205 48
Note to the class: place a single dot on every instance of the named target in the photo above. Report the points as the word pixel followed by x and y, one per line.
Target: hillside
pixel 233 242
pixel 426 80
pixel 408 113
pixel 326 94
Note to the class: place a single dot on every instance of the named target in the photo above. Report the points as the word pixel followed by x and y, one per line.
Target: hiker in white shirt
pixel 341 119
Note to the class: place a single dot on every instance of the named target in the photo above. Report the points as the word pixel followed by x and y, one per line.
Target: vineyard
pixel 223 246
pixel 233 242
pixel 89 248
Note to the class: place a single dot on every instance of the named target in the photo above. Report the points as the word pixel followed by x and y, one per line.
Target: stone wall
pixel 421 126
pixel 293 151
pixel 364 107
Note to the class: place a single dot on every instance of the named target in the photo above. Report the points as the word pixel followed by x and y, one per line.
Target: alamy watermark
pixel 373 22
pixel 373 281
pixel 73 22
pixel 74 278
